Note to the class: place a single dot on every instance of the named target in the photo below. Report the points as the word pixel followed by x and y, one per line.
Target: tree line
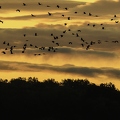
pixel 70 99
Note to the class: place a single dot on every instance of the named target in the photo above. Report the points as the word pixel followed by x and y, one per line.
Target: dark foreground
pixel 23 99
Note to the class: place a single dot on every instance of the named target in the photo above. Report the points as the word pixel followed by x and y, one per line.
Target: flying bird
pixel 32 15
pixel 24 35
pixel 58 6
pixel 68 18
pixel 79 30
pixel 64 31
pixel 49 14
pixel 48 6
pixel 3 52
pixel 4 42
pixel 103 28
pixel 66 8
pixel 1 21
pixel 70 42
pixel 24 4
pixel 65 23
pixel 90 14
pixel 39 3
pixel 116 21
pixel 18 10
pixel 87 47
pixel 35 34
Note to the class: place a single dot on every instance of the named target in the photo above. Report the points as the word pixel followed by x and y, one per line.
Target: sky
pixel 60 59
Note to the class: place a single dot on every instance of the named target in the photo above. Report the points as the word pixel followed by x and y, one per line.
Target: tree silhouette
pixel 48 99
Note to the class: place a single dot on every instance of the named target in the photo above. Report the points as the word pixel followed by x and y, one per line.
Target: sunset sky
pixel 99 64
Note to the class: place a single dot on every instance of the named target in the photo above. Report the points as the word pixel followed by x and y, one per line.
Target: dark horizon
pixel 68 39
pixel 51 100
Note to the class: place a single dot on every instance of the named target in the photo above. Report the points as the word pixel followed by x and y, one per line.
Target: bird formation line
pixel 9 48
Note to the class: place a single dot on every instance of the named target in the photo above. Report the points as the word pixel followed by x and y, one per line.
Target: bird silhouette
pixel 79 30
pixel 11 51
pixel 35 34
pixel 57 44
pixel 87 47
pixel 65 24
pixel 31 45
pixel 73 33
pixel 1 21
pixel 53 41
pixel 23 51
pixel 116 21
pixel 103 28
pixel 96 15
pixel 4 42
pixel 5 48
pixel 3 52
pixel 90 14
pixel 64 31
pixel 51 34
pixel 18 10
pixel 61 35
pixel 58 6
pixel 66 8
pixel 68 18
pixel 39 3
pixel 82 40
pixel 82 45
pixel 8 44
pixel 49 14
pixel 70 42
pixel 24 4
pixel 32 15
pixel 77 35
pixel 48 6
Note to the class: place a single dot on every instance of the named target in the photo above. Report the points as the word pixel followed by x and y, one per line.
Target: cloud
pixel 32 6
pixel 91 72
pixel 44 38
pixel 101 7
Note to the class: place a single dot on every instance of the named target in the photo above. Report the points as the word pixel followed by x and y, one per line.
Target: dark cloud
pixel 65 69
pixel 101 7
pixel 32 6
pixel 44 38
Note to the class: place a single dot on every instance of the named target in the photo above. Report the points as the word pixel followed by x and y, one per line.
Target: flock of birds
pixel 85 44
